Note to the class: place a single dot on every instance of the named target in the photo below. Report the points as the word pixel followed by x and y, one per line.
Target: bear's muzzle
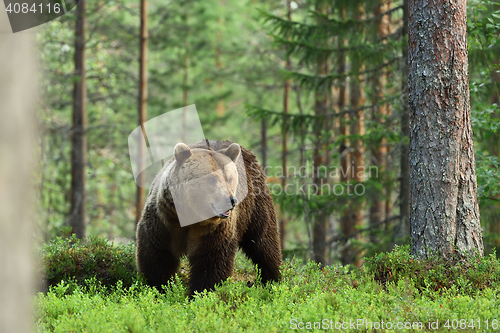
pixel 224 214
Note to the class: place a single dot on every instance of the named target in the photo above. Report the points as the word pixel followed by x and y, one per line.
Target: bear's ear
pixel 233 151
pixel 181 152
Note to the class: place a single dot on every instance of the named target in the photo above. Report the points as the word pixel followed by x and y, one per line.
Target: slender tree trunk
pixel 302 163
pixel 320 229
pixel 284 135
pixel 221 109
pixel 17 136
pixel 143 102
pixel 185 90
pixel 350 253
pixel 379 153
pixel 444 215
pixel 79 133
pixel 346 221
pixel 388 112
pixel 263 140
pixel 404 189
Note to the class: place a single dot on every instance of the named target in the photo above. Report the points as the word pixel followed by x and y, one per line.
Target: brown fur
pixel 210 245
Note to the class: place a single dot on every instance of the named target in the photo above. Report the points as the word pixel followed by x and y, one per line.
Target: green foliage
pixel 307 293
pixel 466 275
pixel 72 259
pixel 488 176
pixel 223 71
pixel 483 24
pixel 235 59
pixel 332 45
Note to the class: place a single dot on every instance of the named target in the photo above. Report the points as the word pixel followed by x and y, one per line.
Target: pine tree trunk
pixel 143 97
pixel 17 136
pixel 284 136
pixel 263 145
pixel 321 97
pixel 346 220
pixel 221 108
pixel 79 135
pixel 320 229
pixel 379 154
pixel 444 215
pixel 351 254
pixel 404 188
pixel 185 66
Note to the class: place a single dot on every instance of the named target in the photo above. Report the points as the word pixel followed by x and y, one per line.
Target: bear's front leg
pixel 154 257
pixel 211 257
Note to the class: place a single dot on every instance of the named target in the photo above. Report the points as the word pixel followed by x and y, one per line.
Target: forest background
pixel 307 85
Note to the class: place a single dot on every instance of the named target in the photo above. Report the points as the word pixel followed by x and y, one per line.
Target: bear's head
pixel 204 182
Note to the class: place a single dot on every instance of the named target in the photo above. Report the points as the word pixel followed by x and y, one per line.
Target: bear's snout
pixel 234 201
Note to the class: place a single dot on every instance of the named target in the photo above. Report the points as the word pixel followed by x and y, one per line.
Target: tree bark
pixel 284 135
pixel 79 134
pixel 263 140
pixel 17 135
pixel 321 103
pixel 404 188
pixel 185 66
pixel 143 103
pixel 444 215
pixel 351 254
pixel 378 210
pixel 345 155
pixel 346 220
pixel 320 229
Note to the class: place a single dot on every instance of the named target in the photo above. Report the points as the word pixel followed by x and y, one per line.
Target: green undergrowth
pixel 69 258
pixel 467 275
pixel 390 287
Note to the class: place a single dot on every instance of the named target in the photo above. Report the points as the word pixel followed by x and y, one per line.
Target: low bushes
pixel 466 274
pixel 72 259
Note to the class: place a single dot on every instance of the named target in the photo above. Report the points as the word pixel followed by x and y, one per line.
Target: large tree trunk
pixel 143 103
pixel 444 215
pixel 17 133
pixel 79 135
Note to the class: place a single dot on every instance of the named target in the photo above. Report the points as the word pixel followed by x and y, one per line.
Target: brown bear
pixel 211 244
